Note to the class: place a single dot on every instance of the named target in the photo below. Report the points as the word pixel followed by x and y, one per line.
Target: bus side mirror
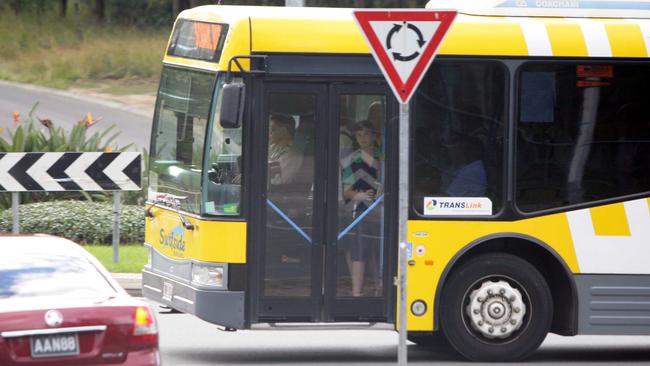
pixel 232 105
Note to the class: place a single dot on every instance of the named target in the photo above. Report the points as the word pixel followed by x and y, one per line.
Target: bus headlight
pixel 208 275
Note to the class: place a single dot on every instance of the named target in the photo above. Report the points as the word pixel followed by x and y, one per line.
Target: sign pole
pixel 402 222
pixel 15 202
pixel 402 351
pixel 403 43
pixel 117 203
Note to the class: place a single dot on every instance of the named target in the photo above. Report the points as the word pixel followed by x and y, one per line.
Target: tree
pixel 100 10
pixel 16 5
pixel 63 8
pixel 40 9
pixel 180 5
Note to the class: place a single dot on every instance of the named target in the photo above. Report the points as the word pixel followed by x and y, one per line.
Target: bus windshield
pixel 178 139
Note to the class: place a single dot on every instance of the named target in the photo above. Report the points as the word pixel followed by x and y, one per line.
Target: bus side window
pixel 459 132
pixel 589 142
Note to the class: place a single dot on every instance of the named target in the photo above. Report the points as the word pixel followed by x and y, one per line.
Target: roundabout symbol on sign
pixel 396 28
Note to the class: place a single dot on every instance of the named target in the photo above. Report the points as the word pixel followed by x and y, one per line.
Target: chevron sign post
pixel 71 171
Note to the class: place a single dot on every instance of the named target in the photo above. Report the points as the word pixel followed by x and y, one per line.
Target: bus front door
pixel 322 253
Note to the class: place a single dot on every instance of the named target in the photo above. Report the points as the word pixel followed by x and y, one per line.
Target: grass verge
pixel 48 52
pixel 132 257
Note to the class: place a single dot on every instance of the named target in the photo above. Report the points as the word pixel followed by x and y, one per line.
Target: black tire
pixel 472 279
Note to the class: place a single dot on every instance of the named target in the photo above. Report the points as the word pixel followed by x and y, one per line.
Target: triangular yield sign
pixel 404 43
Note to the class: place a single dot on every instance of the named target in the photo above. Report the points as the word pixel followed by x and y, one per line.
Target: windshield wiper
pixel 172 201
pixel 186 223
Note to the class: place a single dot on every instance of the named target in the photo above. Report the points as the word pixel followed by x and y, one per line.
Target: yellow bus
pixel 273 172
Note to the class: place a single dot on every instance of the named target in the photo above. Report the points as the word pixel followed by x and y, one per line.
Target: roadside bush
pixel 82 222
pixel 28 136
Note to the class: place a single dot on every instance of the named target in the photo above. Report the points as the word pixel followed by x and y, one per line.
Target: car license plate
pixel 54 345
pixel 168 289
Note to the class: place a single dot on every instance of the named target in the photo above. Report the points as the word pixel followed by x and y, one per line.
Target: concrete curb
pixel 131 282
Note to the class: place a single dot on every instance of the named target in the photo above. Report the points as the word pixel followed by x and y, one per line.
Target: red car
pixel 59 306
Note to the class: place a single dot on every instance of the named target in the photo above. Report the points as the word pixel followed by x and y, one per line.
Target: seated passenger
pixel 466 177
pixel 284 159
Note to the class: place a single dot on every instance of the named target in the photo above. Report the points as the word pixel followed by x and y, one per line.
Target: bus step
pixel 227 329
pixel 324 326
pixel 164 309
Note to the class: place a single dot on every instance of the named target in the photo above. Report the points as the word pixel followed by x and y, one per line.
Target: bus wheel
pixel 496 307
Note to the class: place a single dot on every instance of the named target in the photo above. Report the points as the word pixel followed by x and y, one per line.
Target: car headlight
pixel 208 275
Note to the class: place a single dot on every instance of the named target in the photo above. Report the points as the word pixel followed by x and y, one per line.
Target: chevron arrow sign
pixel 70 171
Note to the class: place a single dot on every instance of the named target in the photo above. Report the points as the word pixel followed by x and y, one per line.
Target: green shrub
pixel 82 222
pixel 28 136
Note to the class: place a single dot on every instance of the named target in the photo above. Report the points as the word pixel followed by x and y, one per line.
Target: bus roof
pixel 629 9
pixel 264 30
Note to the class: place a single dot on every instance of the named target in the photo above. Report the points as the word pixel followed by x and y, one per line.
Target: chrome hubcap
pixel 496 309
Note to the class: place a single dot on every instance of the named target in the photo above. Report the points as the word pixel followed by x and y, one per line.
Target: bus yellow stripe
pixel 210 241
pixel 566 39
pixel 505 39
pixel 307 36
pixel 626 40
pixel 442 240
pixel 610 220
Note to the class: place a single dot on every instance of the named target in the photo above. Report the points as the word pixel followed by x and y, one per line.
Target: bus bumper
pixel 225 308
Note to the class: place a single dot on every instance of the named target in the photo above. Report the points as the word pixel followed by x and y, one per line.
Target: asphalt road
pixel 65 109
pixel 186 340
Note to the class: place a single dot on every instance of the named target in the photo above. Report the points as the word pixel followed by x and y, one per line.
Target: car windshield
pixel 29 274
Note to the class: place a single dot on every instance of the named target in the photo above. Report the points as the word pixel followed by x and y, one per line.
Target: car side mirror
pixel 232 105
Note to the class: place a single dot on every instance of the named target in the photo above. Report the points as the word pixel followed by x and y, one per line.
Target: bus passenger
pixel 284 159
pixel 467 178
pixel 375 115
pixel 361 185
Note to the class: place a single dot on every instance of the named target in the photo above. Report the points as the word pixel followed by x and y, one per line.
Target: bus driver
pixel 284 159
